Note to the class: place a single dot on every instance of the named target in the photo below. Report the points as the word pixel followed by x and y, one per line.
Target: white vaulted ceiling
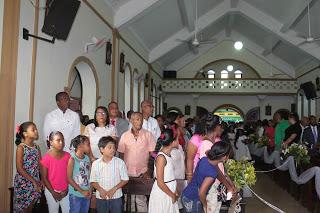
pixel 270 28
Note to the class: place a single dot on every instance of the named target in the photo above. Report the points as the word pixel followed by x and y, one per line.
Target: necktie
pixel 113 122
pixel 315 135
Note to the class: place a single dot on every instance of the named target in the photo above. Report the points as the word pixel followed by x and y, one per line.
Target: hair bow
pixel 162 136
pixel 18 129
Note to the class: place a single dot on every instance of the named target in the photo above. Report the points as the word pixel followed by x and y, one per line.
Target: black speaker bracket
pixel 26 36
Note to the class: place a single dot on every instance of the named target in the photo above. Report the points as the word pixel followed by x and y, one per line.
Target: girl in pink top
pixel 54 174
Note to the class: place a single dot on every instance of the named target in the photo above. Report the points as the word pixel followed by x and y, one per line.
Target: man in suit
pixel 311 135
pixel 121 124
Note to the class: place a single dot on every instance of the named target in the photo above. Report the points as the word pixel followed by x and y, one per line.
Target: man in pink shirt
pixel 135 147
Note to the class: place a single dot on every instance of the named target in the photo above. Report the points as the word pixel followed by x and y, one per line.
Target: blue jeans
pixel 191 206
pixel 79 204
pixel 111 205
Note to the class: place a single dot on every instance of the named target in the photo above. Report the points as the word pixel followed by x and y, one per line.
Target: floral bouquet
pixel 299 153
pixel 263 141
pixel 253 138
pixel 241 172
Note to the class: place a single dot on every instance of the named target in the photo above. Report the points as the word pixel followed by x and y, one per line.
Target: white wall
pixel 245 103
pixel 225 50
pixel 54 61
pixel 312 77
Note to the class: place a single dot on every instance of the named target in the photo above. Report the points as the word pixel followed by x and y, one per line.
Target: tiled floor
pixel 275 195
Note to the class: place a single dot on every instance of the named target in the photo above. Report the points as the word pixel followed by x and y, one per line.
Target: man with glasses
pixel 63 120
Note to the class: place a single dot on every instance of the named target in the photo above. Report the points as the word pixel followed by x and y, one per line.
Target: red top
pixel 269 131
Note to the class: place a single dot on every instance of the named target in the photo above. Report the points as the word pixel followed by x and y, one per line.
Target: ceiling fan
pixel 95 44
pixel 309 38
pixel 196 42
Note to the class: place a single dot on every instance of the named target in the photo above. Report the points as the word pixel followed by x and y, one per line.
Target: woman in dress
pixel 99 128
pixel 163 197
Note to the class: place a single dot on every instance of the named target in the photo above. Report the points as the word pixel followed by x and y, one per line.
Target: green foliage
pixel 241 172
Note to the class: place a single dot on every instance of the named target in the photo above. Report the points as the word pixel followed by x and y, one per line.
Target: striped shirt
pixel 108 175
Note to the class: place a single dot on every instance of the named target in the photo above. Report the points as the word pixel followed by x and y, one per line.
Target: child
pixel 78 172
pixel 108 176
pixel 241 151
pixel 194 196
pixel 54 174
pixel 27 185
pixel 163 197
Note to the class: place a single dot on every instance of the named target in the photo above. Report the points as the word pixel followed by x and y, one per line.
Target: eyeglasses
pixel 100 113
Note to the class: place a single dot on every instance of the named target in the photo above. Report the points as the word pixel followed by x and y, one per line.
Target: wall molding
pixel 8 74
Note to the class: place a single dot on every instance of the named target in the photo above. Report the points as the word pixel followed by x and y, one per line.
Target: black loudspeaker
pixel 59 18
pixel 309 90
pixel 169 74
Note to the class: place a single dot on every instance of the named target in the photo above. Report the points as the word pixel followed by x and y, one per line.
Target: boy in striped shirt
pixel 108 176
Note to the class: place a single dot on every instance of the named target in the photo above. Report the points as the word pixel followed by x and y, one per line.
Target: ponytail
pixel 219 150
pixel 20 129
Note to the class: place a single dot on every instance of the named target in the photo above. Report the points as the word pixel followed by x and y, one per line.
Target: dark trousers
pixel 111 205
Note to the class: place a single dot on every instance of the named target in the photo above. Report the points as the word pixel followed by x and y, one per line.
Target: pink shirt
pixel 205 146
pixel 136 151
pixel 57 171
pixel 196 140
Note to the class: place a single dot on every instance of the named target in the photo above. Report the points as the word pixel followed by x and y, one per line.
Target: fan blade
pixel 183 41
pixel 302 43
pixel 212 41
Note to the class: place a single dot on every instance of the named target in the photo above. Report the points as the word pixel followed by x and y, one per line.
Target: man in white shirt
pixel 150 123
pixel 62 119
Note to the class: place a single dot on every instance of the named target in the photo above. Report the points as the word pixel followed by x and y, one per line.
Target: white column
pixel 261 99
pixel 195 100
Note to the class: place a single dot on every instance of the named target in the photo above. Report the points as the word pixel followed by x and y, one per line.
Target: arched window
pixel 135 90
pixel 141 93
pixel 154 99
pixel 238 74
pixel 127 88
pixel 211 73
pixel 224 74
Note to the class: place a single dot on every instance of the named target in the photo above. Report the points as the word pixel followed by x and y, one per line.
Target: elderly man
pixel 62 119
pixel 150 123
pixel 135 147
pixel 121 124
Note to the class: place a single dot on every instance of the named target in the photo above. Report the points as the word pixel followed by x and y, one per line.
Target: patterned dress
pixel 24 192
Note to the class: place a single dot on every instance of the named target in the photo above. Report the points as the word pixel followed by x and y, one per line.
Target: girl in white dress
pixel 163 197
pixel 241 151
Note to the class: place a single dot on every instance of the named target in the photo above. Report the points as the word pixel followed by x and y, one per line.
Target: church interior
pixel 241 60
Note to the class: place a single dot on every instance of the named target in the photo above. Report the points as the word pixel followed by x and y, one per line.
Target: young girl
pixel 194 196
pixel 27 185
pixel 241 148
pixel 78 173
pixel 163 197
pixel 54 174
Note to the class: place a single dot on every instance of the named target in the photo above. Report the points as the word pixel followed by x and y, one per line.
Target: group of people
pixel 184 157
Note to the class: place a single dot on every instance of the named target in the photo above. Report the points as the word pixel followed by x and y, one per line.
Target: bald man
pixel 149 123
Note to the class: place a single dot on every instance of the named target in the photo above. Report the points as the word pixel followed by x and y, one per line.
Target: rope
pixel 271 170
pixel 266 202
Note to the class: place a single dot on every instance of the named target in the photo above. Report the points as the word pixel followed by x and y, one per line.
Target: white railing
pixel 244 86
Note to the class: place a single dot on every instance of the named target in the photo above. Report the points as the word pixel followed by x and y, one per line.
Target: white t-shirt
pixel 95 133
pixel 152 125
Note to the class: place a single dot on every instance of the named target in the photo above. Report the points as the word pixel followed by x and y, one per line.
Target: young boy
pixel 108 176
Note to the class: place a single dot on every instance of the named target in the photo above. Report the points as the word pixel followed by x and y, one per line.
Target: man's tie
pixel 315 133
pixel 113 122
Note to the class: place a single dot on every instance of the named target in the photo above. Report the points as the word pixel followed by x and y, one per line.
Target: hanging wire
pixel 40 8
